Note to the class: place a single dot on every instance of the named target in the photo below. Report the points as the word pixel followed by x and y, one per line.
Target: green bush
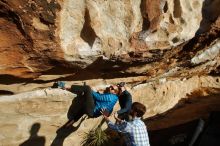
pixel 95 137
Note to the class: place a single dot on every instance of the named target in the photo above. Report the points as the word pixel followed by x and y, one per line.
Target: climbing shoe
pixel 59 84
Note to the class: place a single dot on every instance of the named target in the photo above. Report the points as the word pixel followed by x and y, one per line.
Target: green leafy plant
pixel 95 137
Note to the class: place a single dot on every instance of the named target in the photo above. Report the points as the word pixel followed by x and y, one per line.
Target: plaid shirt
pixel 135 132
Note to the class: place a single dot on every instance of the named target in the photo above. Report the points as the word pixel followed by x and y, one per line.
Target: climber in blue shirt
pixel 93 101
pixel 105 100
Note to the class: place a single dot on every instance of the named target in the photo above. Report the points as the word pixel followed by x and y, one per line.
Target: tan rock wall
pixel 179 22
pixel 49 108
pixel 74 33
pixel 163 94
pixel 111 24
pixel 137 41
pixel 28 41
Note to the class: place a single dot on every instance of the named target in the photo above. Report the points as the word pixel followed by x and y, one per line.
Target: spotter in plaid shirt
pixel 135 130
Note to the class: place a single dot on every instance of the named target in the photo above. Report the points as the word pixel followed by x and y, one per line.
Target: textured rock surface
pixel 45 107
pixel 75 33
pixel 172 22
pixel 167 51
pixel 49 108
pixel 28 28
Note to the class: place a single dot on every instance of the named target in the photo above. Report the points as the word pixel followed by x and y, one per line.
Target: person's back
pixel 134 130
pixel 137 133
pixel 104 101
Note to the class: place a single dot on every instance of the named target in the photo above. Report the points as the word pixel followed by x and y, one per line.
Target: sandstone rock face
pixel 167 51
pixel 45 108
pixel 48 109
pixel 179 21
pixel 76 33
pixel 91 28
pixel 28 37
pixel 174 21
pixel 166 94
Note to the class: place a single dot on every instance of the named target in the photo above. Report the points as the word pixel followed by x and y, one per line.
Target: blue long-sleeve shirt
pixel 125 101
pixel 106 101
